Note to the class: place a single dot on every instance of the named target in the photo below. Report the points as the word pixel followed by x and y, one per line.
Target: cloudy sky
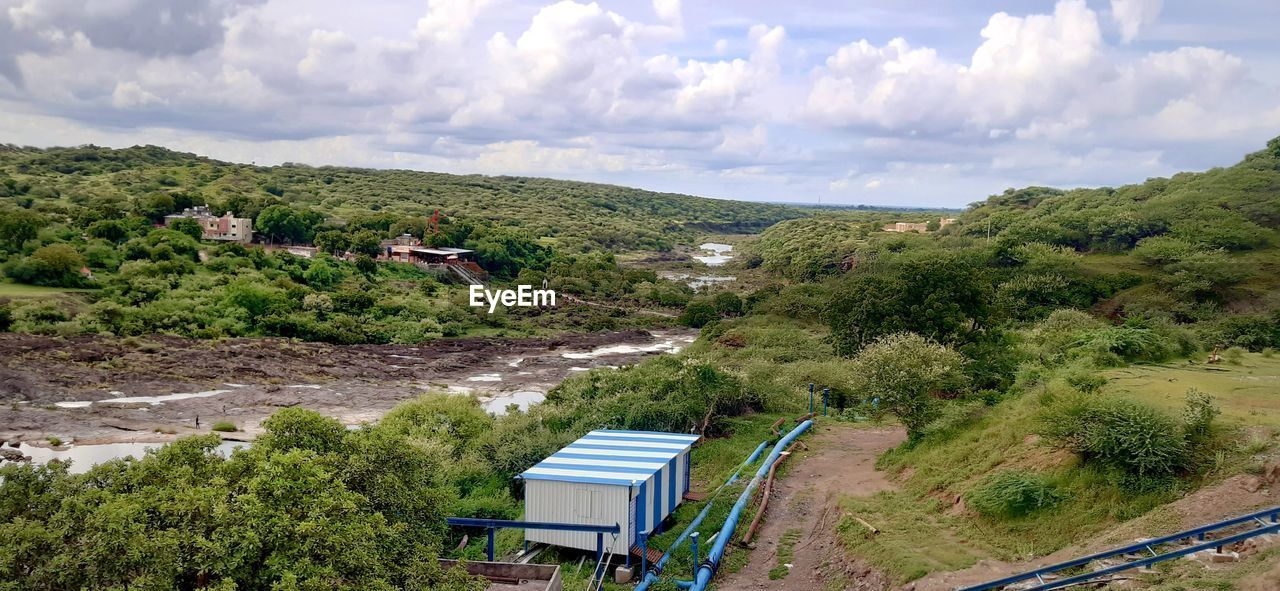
pixel 896 102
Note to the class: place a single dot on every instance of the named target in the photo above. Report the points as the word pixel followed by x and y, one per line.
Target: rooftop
pixel 441 250
pixel 612 457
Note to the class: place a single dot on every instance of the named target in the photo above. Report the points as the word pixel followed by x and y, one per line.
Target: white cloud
pixel 668 11
pixel 129 94
pixel 1133 15
pixel 448 21
pixel 709 100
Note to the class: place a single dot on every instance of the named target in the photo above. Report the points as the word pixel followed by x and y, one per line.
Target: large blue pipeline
pixel 651 577
pixel 708 567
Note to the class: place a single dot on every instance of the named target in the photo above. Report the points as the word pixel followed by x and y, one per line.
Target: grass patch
pixel 19 290
pixel 1245 392
pixel 225 427
pixel 786 554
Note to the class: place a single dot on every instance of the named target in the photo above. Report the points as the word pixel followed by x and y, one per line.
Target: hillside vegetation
pixel 90 219
pixel 1052 381
pixel 152 180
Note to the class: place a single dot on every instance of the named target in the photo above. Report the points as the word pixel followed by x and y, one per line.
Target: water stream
pixel 719 253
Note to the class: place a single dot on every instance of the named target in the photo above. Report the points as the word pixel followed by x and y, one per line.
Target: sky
pixel 883 102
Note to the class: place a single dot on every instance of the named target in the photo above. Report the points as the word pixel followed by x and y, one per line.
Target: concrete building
pixel 921 227
pixel 632 478
pixel 225 227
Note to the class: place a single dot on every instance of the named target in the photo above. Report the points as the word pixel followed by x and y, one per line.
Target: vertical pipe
pixel 644 553
pixel 693 541
pixel 810 397
pixel 599 546
pixel 490 552
pixel 826 395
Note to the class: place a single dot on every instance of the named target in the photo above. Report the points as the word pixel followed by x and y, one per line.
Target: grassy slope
pixel 924 530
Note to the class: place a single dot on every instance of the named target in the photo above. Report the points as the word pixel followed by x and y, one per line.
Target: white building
pixel 634 479
pixel 225 227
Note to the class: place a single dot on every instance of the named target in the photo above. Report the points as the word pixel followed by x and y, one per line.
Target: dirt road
pixel 152 389
pixel 803 513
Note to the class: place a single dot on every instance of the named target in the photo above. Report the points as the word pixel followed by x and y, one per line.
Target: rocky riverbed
pixel 98 390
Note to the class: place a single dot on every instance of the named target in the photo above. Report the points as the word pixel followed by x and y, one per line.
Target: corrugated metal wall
pixel 575 502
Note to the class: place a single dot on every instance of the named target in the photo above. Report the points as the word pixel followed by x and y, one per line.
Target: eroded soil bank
pixel 96 390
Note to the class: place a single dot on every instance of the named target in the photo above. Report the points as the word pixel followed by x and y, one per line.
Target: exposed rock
pixel 12 455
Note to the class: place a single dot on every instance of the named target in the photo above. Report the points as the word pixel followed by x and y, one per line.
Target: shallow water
pixel 83 457
pixel 667 346
pixel 698 281
pixel 719 254
pixel 523 398
pixel 140 399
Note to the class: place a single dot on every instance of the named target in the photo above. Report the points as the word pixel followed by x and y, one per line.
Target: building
pixel 398 248
pixel 440 255
pixel 226 227
pixel 632 478
pixel 921 227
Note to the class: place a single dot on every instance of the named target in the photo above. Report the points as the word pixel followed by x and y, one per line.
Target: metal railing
pixel 492 525
pixel 1146 547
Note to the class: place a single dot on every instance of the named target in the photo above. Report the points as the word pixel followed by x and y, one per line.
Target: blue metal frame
pixel 495 524
pixel 1143 547
pixel 642 513
pixel 671 483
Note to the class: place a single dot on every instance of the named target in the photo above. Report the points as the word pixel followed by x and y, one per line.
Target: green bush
pixel 1141 443
pixel 225 426
pixel 1012 494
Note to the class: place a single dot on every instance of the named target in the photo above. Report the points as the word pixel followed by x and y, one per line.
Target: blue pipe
pixel 651 576
pixel 708 568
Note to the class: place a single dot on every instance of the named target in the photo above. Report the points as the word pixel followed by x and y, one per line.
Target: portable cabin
pixel 632 478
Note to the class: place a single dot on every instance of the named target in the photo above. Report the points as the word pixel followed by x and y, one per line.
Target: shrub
pixel 56 265
pixel 1197 417
pixel 1140 442
pixel 1013 493
pixel 698 313
pixel 225 426
pixel 904 371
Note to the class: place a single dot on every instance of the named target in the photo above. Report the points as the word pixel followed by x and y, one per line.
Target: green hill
pixel 577 213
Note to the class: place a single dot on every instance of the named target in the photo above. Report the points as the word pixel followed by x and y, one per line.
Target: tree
pixel 698 313
pixel 333 242
pixel 727 303
pixel 941 295
pixel 54 265
pixel 901 374
pixel 299 428
pixel 18 226
pixel 188 226
pixel 112 230
pixel 281 222
pixel 366 242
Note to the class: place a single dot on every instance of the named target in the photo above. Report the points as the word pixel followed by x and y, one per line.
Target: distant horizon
pixel 929 105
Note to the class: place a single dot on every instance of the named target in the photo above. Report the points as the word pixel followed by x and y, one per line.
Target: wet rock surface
pixel 171 386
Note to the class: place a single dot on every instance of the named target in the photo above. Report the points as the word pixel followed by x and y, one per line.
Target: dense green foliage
pixel 288 513
pixel 152 181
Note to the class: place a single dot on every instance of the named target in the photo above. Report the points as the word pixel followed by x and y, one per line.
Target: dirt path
pixel 803 510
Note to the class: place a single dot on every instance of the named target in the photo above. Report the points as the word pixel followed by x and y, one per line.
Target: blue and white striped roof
pixel 612 457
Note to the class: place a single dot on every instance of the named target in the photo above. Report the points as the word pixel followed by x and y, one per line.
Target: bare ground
pixel 255 377
pixel 840 462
